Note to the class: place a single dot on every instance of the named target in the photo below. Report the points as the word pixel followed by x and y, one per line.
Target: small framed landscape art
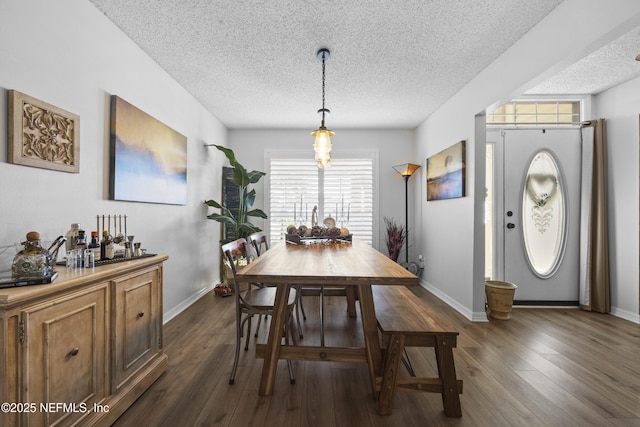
pixel 446 173
pixel 42 135
pixel 148 159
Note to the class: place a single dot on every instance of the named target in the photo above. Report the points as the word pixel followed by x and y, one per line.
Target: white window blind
pixel 294 185
pixel 343 191
pixel 348 196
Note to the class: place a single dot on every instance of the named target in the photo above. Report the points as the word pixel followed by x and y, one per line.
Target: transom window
pixel 343 192
pixel 536 113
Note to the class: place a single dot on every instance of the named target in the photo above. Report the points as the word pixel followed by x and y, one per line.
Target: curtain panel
pixel 594 234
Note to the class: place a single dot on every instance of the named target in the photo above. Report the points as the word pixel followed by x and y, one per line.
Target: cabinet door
pixel 65 355
pixel 138 322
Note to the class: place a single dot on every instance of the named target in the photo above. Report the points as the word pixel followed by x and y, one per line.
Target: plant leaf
pixel 257 213
pixel 213 204
pixel 240 176
pixel 254 176
pixel 222 218
pixel 249 198
pixel 225 210
pixel 229 153
pixel 248 228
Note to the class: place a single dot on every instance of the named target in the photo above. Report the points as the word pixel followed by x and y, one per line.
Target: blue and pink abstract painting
pixel 446 173
pixel 148 159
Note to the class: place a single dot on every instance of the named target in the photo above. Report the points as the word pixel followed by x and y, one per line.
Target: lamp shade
pixel 322 146
pixel 406 169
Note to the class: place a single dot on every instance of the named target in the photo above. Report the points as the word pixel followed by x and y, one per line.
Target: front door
pixel 541 216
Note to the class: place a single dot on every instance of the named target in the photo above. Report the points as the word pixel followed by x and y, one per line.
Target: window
pixel 536 113
pixel 344 191
pixel 488 213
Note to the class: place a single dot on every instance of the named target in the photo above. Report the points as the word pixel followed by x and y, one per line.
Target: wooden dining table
pixel 314 265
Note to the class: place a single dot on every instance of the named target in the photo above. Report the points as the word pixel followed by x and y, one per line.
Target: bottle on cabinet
pixel 81 241
pixel 94 245
pixel 72 236
pixel 107 244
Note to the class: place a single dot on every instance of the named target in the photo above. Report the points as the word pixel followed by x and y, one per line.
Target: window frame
pixel 536 101
pixel 342 154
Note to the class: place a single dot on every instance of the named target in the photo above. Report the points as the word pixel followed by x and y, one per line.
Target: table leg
pixel 274 341
pixel 370 329
pixel 322 316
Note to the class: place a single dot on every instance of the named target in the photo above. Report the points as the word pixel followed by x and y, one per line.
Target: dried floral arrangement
pixel 395 238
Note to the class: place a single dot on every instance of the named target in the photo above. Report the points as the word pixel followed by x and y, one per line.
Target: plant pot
pixel 499 298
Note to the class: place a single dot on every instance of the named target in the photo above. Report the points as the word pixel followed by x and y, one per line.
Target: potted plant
pixel 238 220
pixel 242 178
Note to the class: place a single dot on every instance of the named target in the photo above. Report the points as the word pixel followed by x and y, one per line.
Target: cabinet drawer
pixel 137 323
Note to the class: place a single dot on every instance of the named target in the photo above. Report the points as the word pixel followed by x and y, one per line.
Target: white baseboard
pixel 186 303
pixel 473 316
pixel 626 314
pixel 482 316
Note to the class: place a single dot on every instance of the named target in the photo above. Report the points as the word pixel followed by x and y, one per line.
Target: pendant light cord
pixel 323 110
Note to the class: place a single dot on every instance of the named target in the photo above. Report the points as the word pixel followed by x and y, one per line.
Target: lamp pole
pixel 406 217
pixel 406 170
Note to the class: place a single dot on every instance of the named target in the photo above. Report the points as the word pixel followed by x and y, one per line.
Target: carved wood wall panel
pixel 42 135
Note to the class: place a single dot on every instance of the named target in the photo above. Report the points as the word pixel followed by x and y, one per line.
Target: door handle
pixel 511 225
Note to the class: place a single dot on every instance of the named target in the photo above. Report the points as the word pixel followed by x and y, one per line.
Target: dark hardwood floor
pixel 544 367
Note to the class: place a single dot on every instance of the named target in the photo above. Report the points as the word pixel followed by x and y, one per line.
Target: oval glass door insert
pixel 543 215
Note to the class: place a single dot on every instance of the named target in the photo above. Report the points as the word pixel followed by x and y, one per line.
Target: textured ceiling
pixel 253 63
pixel 606 67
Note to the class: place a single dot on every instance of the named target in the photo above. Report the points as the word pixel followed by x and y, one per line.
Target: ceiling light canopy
pixel 322 145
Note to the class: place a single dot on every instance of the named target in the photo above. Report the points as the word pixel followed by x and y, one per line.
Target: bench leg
pixel 351 300
pixel 393 356
pixel 447 374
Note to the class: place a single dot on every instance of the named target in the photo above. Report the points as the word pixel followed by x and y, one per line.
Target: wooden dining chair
pixel 253 301
pixel 260 244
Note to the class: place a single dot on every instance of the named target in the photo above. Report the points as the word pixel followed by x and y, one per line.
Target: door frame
pixel 496 137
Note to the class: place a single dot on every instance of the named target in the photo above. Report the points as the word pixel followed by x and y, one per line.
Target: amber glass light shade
pixel 322 146
pixel 406 169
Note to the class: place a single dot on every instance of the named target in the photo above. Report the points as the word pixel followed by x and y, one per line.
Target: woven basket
pixel 499 298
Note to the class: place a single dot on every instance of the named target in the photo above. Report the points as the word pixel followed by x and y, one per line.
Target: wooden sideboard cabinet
pixel 81 350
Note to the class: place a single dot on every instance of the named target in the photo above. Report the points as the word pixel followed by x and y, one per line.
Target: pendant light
pixel 322 145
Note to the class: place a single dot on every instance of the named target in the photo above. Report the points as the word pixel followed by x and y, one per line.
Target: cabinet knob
pixel 74 351
pixel 140 314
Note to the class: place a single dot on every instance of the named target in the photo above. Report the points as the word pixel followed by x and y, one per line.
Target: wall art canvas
pixel 446 173
pixel 42 135
pixel 148 159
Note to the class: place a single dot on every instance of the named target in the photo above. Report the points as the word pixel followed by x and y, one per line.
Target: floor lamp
pixel 406 170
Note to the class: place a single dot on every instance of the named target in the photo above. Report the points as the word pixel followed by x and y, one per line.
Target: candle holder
pixel 299 216
pixel 341 217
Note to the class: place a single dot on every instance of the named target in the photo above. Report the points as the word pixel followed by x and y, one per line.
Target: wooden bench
pixel 406 321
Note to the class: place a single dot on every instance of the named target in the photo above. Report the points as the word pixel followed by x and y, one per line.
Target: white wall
pixel 68 54
pixel 451 239
pixel 620 107
pixel 393 147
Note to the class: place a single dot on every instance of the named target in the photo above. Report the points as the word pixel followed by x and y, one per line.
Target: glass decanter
pixel 33 260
